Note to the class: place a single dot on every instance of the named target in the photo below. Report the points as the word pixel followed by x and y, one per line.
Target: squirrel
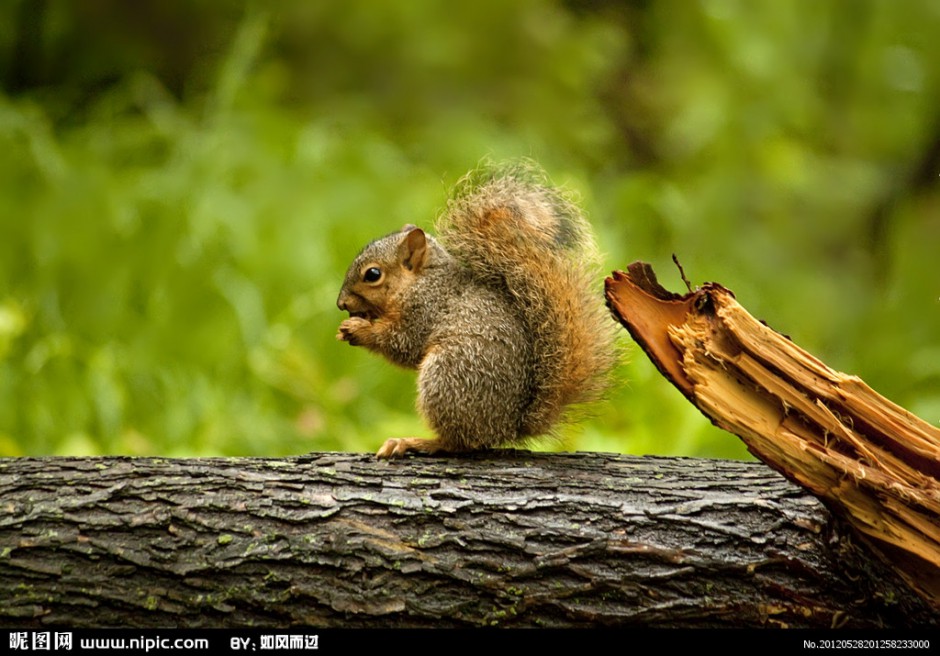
pixel 497 313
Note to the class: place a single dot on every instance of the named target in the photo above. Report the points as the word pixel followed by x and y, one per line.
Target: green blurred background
pixel 184 183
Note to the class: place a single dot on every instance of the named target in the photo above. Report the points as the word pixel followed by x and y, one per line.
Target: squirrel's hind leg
pixel 396 447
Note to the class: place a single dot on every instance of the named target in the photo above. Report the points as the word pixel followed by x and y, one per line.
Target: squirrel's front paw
pixel 354 330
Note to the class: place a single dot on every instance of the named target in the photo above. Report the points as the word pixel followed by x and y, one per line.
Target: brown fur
pixel 502 317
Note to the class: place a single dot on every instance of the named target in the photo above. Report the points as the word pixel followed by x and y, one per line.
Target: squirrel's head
pixel 383 269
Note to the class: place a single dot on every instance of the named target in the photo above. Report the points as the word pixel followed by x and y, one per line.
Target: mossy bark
pixel 504 538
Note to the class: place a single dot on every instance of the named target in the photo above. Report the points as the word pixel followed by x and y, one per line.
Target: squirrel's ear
pixel 413 250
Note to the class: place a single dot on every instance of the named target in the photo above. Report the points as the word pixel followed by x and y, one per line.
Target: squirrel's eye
pixel 372 274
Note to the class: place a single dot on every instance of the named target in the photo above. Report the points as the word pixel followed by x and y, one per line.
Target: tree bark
pixel 502 538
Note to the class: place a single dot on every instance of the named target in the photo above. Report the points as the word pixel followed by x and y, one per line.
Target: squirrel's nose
pixel 344 300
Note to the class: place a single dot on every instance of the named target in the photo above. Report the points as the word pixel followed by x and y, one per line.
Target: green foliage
pixel 175 222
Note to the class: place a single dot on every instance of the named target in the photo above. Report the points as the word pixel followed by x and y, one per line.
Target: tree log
pixel 503 538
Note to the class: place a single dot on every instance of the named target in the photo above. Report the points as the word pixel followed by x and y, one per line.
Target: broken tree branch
pixel 869 460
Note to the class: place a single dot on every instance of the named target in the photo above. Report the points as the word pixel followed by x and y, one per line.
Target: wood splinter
pixel 870 461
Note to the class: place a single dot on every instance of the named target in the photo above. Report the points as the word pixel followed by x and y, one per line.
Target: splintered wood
pixel 872 462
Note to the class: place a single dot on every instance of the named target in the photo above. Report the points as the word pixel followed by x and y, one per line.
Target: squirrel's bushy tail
pixel 531 240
